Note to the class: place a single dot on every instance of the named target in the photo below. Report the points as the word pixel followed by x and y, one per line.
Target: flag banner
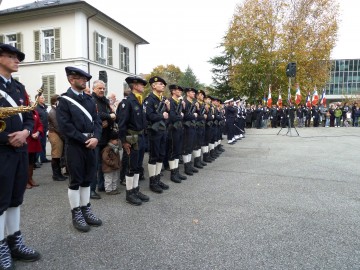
pixel 308 101
pixel 279 102
pixel 297 95
pixel 269 100
pixel 315 98
pixel 323 99
pixel 264 100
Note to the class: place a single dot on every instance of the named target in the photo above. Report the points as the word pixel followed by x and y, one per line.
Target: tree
pixel 170 73
pixel 265 35
pixel 189 79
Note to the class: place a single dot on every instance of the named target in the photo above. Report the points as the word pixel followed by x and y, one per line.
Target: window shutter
pixel 109 52
pixel 37 45
pixel 49 87
pixel 127 65
pixel 2 38
pixel 57 43
pixel 19 41
pixel 122 57
pixel 96 43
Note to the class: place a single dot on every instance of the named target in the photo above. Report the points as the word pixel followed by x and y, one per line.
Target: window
pixel 49 87
pixel 103 49
pixel 47 44
pixel 14 39
pixel 124 58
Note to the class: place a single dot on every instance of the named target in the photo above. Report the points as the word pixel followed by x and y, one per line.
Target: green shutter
pixel 49 87
pixel 109 52
pixel 127 65
pixel 2 38
pixel 122 57
pixel 19 41
pixel 45 83
pixel 37 45
pixel 96 44
pixel 57 43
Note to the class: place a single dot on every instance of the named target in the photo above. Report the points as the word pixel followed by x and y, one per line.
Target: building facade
pixel 56 34
pixel 344 81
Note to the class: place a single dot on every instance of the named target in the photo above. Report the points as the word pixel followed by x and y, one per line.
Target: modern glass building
pixel 344 79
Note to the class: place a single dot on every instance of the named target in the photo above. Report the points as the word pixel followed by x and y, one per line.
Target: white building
pixel 54 34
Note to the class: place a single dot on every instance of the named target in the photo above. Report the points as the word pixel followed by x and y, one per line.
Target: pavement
pixel 271 201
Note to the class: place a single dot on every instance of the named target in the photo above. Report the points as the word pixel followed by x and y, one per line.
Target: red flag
pixel 308 101
pixel 297 95
pixel 315 98
pixel 269 100
pixel 323 98
pixel 279 102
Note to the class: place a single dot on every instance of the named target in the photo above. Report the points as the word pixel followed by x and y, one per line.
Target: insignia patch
pixel 136 108
pixel 21 101
pixel 155 106
pixel 123 105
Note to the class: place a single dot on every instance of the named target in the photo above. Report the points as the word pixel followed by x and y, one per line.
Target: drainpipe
pixel 88 41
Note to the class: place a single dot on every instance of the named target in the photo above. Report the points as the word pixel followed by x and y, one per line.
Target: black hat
pixel 11 49
pixel 135 80
pixel 201 92
pixel 175 87
pixel 190 89
pixel 156 79
pixel 77 71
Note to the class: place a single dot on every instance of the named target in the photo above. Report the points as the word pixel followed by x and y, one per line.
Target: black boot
pixel 192 168
pixel 56 169
pixel 188 169
pixel 18 249
pixel 217 151
pixel 181 161
pixel 6 261
pixel 197 163
pixel 202 162
pixel 140 195
pixel 79 221
pixel 141 175
pixel 161 184
pixel 180 176
pixel 174 176
pixel 213 154
pixel 132 198
pixel 154 185
pixel 207 158
pixel 89 216
pixel 220 147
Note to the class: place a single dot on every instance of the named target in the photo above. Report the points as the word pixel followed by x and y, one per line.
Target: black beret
pixel 190 89
pixel 11 49
pixel 156 79
pixel 175 87
pixel 77 71
pixel 135 80
pixel 202 92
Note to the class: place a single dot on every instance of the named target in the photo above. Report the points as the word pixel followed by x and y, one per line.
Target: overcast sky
pixel 187 32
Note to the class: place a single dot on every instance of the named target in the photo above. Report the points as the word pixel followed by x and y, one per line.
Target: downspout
pixel 135 55
pixel 88 40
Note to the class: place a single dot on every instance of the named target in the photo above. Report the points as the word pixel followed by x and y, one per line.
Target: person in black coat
pixel 157 108
pixel 230 116
pixel 131 121
pixel 81 126
pixel 14 160
pixel 107 117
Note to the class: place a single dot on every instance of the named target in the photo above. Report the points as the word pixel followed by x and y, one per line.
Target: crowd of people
pixel 336 115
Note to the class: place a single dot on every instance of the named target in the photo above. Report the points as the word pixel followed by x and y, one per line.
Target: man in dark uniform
pixel 175 132
pixel 230 115
pixel 13 159
pixel 200 130
pixel 156 114
pixel 209 130
pixel 131 123
pixel 81 126
pixel 190 116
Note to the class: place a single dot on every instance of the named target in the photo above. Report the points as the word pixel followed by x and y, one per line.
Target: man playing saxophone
pixel 13 159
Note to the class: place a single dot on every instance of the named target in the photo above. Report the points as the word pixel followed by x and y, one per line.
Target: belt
pixel 135 132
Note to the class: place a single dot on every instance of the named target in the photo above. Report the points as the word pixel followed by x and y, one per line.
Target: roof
pixel 49 5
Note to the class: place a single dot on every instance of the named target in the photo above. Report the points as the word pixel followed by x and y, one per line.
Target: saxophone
pixel 6 112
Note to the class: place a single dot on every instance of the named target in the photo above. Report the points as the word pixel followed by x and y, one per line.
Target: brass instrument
pixel 10 111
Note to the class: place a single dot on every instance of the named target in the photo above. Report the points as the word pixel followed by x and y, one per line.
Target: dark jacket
pixel 43 114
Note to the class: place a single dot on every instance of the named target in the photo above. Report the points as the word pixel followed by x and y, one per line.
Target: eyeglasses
pixel 10 56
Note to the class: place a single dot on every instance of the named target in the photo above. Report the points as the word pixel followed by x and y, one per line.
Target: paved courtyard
pixel 269 202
